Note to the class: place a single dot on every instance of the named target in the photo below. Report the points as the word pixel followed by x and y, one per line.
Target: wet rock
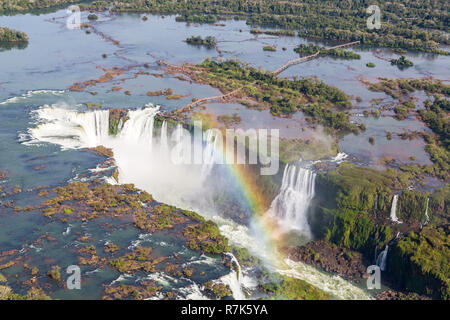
pixel 330 258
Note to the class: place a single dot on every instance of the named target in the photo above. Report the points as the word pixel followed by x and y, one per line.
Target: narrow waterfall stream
pixel 381 259
pixel 393 214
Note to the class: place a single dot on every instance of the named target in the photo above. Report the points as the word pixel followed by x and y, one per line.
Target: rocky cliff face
pixel 351 211
pixel 420 262
pixel 331 258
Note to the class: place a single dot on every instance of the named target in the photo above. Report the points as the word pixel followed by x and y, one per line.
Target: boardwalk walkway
pixel 223 97
pixel 293 62
pixel 231 94
pixel 303 59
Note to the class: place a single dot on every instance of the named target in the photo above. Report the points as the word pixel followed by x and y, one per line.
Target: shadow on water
pixel 6 46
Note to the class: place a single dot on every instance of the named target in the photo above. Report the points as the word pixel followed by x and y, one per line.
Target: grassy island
pixel 11 35
pixel 309 49
pixel 322 104
pixel 402 62
pixel 286 33
pixel 270 48
pixel 199 41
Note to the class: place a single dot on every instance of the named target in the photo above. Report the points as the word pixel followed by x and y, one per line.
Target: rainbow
pixel 256 201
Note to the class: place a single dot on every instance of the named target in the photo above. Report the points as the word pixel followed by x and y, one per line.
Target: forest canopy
pixel 407 24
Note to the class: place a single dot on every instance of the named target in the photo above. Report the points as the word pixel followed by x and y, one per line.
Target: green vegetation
pixel 403 110
pixel 206 237
pixel 403 87
pixel 209 41
pixel 245 258
pixel 33 294
pixel 55 274
pixel 338 121
pixel 349 199
pixel 436 117
pixel 310 49
pixel 286 33
pixel 92 105
pixel 411 206
pixel 389 136
pixel 102 151
pixel 166 92
pixel 139 259
pixel 352 211
pixel 315 98
pixel 174 97
pixel 229 119
pixel 117 118
pixel 144 290
pixel 330 19
pixel 111 247
pixel 19 6
pixel 420 262
pixel 10 35
pixel 402 62
pixel 281 287
pixel 270 48
pixel 197 18
pixel 220 290
pixel 89 201
pixel 92 17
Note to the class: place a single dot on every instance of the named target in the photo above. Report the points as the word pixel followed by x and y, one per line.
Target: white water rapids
pixel 143 159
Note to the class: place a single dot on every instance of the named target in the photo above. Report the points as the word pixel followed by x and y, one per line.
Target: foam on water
pixel 31 94
pixel 334 285
pixel 191 292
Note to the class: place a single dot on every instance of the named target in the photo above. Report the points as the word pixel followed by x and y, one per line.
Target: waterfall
pixel 180 185
pixel 341 156
pixel 163 140
pixel 138 129
pixel 290 207
pixel 394 209
pixel 237 281
pixel 211 153
pixel 381 259
pixel 71 129
pixel 139 154
pixel 427 218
